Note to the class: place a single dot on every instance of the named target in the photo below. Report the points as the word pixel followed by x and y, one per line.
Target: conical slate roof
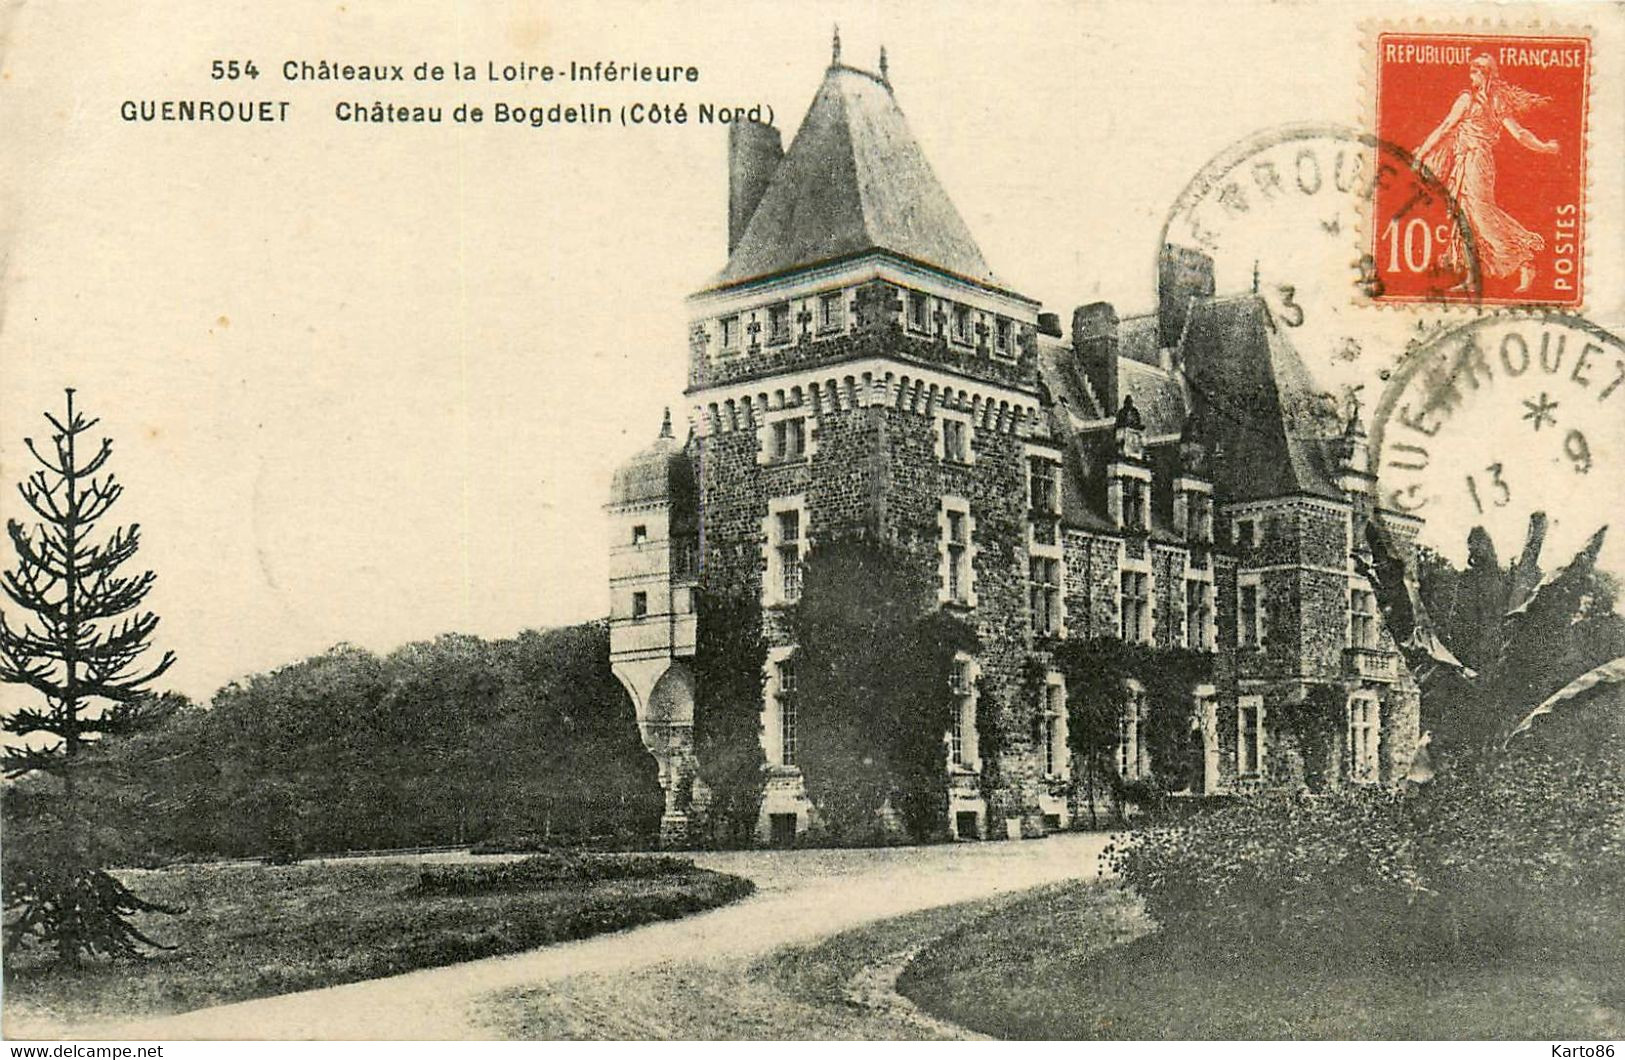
pixel 854 180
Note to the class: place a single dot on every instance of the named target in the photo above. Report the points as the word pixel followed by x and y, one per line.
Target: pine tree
pixel 79 648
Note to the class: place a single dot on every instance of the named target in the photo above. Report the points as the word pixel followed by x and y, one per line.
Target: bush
pixel 1516 852
pixel 1273 870
pixel 546 870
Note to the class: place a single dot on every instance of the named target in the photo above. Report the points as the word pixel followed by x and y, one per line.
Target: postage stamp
pixel 1500 121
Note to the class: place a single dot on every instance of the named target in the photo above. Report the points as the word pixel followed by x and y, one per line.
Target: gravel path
pixel 802 896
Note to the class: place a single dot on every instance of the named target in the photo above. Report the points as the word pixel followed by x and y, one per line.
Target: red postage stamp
pixel 1498 125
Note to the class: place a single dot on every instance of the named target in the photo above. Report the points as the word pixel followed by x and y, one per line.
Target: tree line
pixel 451 741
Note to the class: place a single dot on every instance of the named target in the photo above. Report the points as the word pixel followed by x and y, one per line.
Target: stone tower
pixel 653 567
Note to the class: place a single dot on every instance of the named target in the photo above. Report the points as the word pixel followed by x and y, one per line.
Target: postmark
pixel 1499 120
pixel 1487 422
pixel 1283 213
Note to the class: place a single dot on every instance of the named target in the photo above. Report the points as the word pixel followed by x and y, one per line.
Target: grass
pixel 1080 961
pixel 256 931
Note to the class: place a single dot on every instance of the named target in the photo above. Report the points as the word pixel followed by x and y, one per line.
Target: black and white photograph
pixel 751 521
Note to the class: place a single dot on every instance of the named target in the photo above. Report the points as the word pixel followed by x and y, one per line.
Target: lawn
pixel 254 931
pixel 1081 961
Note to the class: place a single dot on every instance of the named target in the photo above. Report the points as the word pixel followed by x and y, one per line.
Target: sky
pixel 368 383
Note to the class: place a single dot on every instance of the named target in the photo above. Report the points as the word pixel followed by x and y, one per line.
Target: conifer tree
pixel 79 646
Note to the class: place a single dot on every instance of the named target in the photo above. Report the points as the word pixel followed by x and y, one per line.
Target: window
pixel 829 311
pixel 1044 588
pixel 1363 738
pixel 640 534
pixel 789 438
pixel 686 558
pixel 1001 335
pixel 1133 759
pixel 961 323
pixel 787 713
pixel 1247 533
pixel 1247 615
pixel 730 332
pixel 789 552
pixel 962 736
pixel 958 547
pixel 1134 512
pixel 1362 619
pixel 1198 614
pixel 1136 607
pixel 1052 733
pixel 918 320
pixel 1207 719
pixel 1199 516
pixel 1041 486
pixel 640 605
pixel 1250 736
pixel 955 441
pixel 778 324
pixel 956 553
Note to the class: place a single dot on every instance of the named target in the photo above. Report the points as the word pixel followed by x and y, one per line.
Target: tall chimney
pixel 754 153
pixel 1094 348
pixel 1184 273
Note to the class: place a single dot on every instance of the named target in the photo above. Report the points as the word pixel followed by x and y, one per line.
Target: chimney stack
pixel 1183 273
pixel 754 153
pixel 1094 347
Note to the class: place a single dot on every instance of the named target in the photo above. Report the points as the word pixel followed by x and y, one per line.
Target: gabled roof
pixel 854 180
pixel 1257 402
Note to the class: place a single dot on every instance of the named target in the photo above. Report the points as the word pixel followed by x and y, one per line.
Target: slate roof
pixel 1242 381
pixel 1257 402
pixel 854 180
pixel 1156 393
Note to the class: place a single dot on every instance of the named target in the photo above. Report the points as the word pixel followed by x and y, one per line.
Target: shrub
pixel 1516 851
pixel 546 870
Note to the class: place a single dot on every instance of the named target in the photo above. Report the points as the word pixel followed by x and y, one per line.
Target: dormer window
pixel 1193 511
pixel 919 318
pixel 962 324
pixel 729 329
pixel 829 312
pixel 1134 504
pixel 1128 497
pixel 778 324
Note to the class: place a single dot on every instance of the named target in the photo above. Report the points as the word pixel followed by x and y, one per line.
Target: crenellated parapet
pixel 868 382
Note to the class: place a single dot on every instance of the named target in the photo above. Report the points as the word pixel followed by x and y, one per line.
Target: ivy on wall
pixel 730 658
pixel 873 664
pixel 1098 673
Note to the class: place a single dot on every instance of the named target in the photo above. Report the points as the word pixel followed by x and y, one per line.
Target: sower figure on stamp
pixel 1461 153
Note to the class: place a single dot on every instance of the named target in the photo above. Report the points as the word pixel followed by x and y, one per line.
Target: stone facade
pixel 1049 488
